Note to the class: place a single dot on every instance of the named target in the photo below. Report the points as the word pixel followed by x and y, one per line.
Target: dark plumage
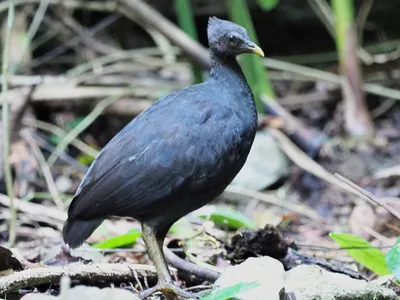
pixel 176 156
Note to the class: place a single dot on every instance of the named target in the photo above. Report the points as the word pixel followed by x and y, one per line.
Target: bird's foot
pixel 170 291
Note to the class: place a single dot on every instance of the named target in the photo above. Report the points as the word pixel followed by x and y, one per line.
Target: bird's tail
pixel 75 232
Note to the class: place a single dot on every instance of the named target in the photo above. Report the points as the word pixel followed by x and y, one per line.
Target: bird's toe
pixel 170 291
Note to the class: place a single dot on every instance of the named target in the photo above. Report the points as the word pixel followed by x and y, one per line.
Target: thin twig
pixel 75 40
pixel 43 143
pixel 239 193
pixel 6 121
pixel 362 17
pixel 86 36
pixel 368 196
pixel 45 170
pixel 106 6
pixel 136 55
pixel 82 146
pixel 17 80
pixel 329 77
pixel 88 120
pixel 34 26
pixel 159 39
pixel 155 20
pixel 324 13
pixel 389 172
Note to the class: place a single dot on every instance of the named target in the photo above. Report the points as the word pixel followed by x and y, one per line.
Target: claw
pixel 170 291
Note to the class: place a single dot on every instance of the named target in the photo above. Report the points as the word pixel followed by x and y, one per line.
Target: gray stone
pixel 265 164
pixel 266 271
pixel 314 283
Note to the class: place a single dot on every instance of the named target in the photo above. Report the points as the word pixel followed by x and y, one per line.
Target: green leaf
pixel 124 240
pixel 230 291
pixel 225 216
pixel 371 258
pixel 268 4
pixel 393 259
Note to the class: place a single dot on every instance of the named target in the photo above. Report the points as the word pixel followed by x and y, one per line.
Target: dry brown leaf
pixel 362 216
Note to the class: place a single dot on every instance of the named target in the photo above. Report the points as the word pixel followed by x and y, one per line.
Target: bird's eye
pixel 232 40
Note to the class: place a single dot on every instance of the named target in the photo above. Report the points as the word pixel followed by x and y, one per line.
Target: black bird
pixel 176 156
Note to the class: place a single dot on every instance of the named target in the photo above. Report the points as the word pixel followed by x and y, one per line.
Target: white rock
pixel 87 293
pixel 266 271
pixel 265 164
pixel 314 283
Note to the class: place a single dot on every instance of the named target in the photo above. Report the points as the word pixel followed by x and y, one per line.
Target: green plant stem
pixel 344 19
pixel 6 130
pixel 357 119
pixel 186 22
pixel 256 74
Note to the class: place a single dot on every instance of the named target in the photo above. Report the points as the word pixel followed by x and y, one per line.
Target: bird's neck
pixel 227 72
pixel 226 68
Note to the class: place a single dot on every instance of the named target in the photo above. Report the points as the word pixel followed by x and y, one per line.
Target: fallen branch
pixel 77 272
pixel 308 139
pixel 190 268
pixel 306 163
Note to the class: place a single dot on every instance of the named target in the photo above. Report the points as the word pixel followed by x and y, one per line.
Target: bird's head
pixel 229 39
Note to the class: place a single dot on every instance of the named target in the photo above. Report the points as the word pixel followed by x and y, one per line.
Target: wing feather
pixel 163 151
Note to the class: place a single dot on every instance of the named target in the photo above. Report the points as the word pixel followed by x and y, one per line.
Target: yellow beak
pixel 256 50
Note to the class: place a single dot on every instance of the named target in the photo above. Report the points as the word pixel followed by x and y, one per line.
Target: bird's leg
pixel 154 245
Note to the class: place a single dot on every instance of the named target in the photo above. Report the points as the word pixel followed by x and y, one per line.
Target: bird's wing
pixel 169 146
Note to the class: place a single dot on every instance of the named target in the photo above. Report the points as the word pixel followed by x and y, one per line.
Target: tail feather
pixel 75 232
